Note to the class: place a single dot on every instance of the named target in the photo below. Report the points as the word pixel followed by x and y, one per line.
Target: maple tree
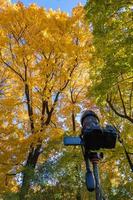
pixel 42 54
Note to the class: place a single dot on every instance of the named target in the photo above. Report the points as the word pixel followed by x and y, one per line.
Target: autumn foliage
pixel 44 62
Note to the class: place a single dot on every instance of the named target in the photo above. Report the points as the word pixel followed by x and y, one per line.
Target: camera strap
pixel 126 153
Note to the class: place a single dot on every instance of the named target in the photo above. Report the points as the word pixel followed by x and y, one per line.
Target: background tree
pixel 112 80
pixel 111 23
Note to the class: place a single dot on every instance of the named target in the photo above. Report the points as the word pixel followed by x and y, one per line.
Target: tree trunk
pixel 97 179
pixel 73 122
pixel 28 172
pixel 26 183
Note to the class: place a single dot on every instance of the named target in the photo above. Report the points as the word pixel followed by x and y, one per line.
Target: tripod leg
pixel 97 180
pixel 90 181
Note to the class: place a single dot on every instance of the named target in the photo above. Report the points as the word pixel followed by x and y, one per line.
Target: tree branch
pixel 17 73
pixel 71 92
pixel 79 93
pixel 43 112
pixel 27 94
pixel 71 72
pixel 122 101
pixel 108 100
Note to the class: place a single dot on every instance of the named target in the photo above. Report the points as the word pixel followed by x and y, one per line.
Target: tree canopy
pixel 111 23
pixel 44 55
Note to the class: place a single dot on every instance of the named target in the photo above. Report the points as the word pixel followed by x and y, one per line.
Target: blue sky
pixel 64 5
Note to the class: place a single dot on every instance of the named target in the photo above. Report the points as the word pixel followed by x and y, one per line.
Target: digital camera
pixel 93 135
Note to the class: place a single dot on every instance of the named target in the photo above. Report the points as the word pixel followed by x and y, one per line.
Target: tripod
pixel 92 179
pixel 92 138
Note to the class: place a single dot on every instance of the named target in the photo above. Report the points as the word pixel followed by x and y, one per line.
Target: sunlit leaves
pixel 43 54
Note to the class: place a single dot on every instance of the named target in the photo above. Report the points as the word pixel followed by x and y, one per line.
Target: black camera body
pixel 98 137
pixel 94 136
